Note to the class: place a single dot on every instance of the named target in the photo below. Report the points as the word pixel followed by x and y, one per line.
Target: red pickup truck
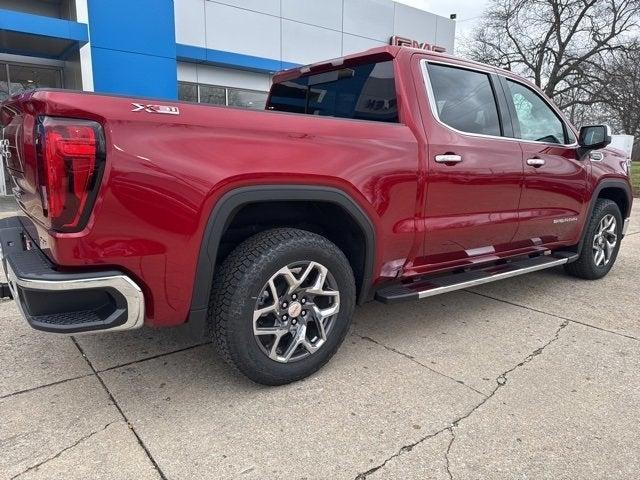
pixel 393 174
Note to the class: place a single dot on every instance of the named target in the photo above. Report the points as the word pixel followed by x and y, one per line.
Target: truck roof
pixel 376 53
pixel 389 51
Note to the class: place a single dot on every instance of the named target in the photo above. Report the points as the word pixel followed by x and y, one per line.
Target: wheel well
pixel 324 218
pixel 617 195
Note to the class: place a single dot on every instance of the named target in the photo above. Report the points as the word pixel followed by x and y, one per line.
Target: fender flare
pixel 231 202
pixel 606 183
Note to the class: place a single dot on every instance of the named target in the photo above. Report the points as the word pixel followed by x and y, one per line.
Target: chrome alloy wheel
pixel 605 240
pixel 296 311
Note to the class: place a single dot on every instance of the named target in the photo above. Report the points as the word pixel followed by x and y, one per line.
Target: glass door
pixel 29 77
pixel 4 81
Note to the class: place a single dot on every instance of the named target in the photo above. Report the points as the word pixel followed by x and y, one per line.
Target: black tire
pixel 242 278
pixel 585 267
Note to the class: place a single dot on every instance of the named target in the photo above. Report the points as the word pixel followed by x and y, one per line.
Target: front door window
pixel 537 121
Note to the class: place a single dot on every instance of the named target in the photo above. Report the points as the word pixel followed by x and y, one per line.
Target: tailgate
pixel 11 137
pixel 19 153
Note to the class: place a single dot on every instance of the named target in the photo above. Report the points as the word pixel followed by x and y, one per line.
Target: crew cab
pixel 391 175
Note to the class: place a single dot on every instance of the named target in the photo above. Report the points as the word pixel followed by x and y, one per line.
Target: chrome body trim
pixel 490 278
pixel 434 108
pixel 450 158
pixel 536 162
pixel 121 283
pixel 625 225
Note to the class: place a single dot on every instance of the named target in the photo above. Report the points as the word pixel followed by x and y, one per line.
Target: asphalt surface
pixel 536 377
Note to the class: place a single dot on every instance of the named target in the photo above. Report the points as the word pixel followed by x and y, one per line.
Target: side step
pixel 423 288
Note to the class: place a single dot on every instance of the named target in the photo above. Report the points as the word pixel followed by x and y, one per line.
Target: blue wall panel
pixel 133 47
pixel 134 74
pixel 189 53
pixel 44 26
pixel 140 26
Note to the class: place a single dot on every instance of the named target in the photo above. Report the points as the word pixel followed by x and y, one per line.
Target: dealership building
pixel 221 52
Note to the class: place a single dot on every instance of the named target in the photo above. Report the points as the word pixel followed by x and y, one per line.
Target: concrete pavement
pixel 536 377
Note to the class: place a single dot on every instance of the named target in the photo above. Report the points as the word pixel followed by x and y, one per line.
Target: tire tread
pixel 232 275
pixel 584 267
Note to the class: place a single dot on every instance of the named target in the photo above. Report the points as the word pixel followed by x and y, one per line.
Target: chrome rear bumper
pixel 68 303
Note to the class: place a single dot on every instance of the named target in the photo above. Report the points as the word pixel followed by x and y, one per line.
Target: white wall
pixel 233 29
pixel 324 13
pixel 86 65
pixel 304 31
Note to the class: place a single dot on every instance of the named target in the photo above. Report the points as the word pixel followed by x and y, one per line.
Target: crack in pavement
pixel 631 337
pixel 446 453
pixel 413 359
pixel 153 357
pixel 52 384
pixel 117 405
pixel 501 380
pixel 403 450
pixel 65 449
pixel 93 373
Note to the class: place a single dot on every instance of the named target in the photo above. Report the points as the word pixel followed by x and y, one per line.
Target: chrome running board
pixel 436 285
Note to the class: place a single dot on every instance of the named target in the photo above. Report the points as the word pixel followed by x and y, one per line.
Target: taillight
pixel 71 159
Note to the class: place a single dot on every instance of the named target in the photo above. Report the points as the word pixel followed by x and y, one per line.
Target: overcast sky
pixel 468 11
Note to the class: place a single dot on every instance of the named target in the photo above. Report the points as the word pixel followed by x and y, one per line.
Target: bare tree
pixel 621 90
pixel 561 45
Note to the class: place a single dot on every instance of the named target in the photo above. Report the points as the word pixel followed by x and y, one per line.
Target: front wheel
pixel 281 305
pixel 601 242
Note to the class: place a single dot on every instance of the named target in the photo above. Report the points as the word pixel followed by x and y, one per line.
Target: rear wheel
pixel 601 243
pixel 281 305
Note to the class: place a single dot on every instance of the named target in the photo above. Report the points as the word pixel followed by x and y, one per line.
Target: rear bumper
pixel 69 303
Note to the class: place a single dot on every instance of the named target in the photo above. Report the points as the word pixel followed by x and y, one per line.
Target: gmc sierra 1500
pixel 393 174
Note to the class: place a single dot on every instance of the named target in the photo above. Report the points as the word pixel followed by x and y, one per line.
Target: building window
pixel 247 98
pixel 216 95
pixel 213 95
pixel 64 9
pixel 17 78
pixel 188 92
pixel 4 82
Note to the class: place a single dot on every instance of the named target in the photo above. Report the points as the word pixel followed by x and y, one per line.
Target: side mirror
pixel 594 137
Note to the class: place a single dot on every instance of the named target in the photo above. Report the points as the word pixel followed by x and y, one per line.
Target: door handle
pixel 536 162
pixel 448 158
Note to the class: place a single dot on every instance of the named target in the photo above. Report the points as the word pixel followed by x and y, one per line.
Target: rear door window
pixel 364 92
pixel 464 99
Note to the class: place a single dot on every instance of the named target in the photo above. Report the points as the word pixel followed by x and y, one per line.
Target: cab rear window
pixel 364 92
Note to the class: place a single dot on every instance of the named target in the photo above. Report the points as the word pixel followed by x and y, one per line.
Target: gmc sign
pixel 407 42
